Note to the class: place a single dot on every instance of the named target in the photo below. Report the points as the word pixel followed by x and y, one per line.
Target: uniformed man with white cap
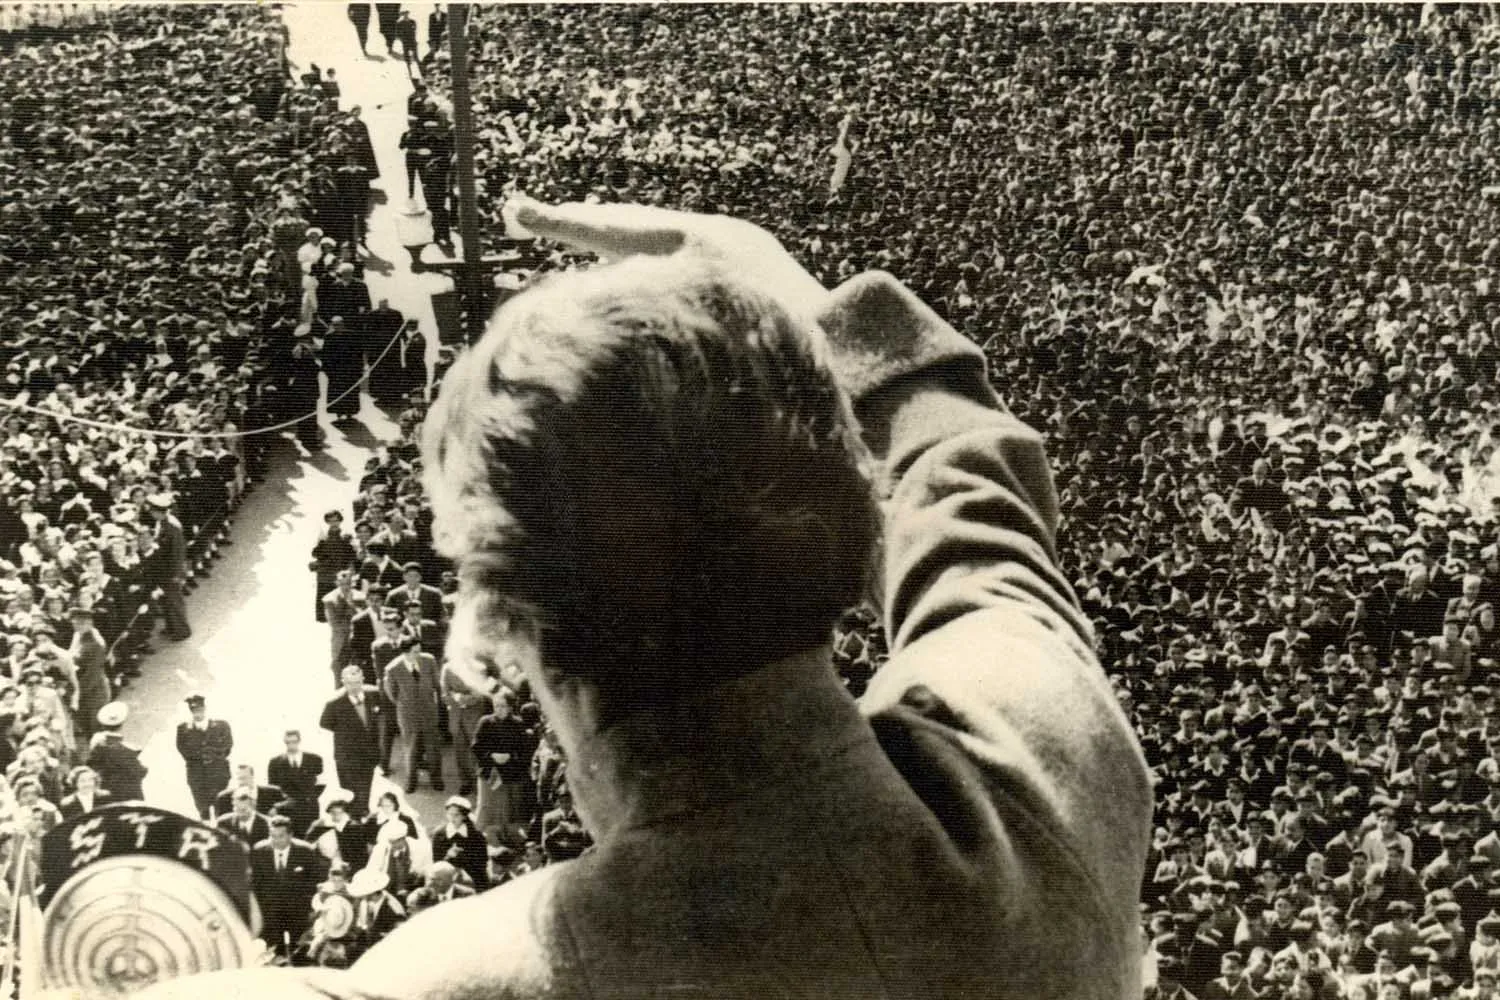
pixel 172 544
pixel 117 762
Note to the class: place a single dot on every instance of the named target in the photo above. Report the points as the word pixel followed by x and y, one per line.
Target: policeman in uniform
pixel 117 762
pixel 205 745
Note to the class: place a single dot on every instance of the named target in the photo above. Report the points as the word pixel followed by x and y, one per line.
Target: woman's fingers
pixel 608 230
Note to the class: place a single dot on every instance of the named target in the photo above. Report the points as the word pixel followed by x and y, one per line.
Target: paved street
pixel 256 651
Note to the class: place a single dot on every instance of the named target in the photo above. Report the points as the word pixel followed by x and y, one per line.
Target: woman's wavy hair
pixel 651 465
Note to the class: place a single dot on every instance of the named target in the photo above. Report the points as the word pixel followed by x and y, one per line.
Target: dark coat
pixel 331 554
pixel 206 752
pixel 71 808
pixel 267 798
pixel 260 827
pixel 428 596
pixel 468 852
pixel 285 897
pixel 354 841
pixel 354 742
pixel 120 769
pixel 301 786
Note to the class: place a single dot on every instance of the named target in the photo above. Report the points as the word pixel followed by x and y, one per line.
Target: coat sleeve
pixel 991 656
pixel 329 719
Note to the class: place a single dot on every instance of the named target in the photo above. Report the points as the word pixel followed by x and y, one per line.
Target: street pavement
pixel 256 652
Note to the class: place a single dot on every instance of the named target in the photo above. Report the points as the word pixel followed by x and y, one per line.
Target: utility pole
pixel 471 273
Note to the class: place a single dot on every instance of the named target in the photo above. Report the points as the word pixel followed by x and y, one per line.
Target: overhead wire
pixel 106 425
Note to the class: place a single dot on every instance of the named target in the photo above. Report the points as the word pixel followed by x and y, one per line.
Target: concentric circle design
pixel 127 922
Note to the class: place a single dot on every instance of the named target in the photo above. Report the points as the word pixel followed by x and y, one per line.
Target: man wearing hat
pixel 117 763
pixel 332 555
pixel 1398 935
pixel 376 911
pixel 90 656
pixel 564 836
pixel 205 745
pixel 333 917
pixel 462 844
pixel 171 562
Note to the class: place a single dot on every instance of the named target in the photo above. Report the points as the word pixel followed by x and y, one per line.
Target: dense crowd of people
pixel 159 171
pixel 1240 268
pixel 405 703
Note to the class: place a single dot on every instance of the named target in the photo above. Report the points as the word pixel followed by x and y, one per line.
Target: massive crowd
pixel 1240 267
pixel 159 170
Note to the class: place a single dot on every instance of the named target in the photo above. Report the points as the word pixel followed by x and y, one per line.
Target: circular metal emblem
pixel 127 922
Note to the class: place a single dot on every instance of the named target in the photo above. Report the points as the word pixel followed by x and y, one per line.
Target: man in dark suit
pixel 363 631
pixel 170 560
pixel 1232 983
pixel 242 820
pixel 1417 610
pixel 117 762
pixel 563 834
pixel 284 872
pixel 298 773
pixel 205 745
pixel 386 16
pixel 414 591
pixel 430 635
pixel 357 719
pixel 406 34
pixel 386 646
pixel 266 797
pixel 379 567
